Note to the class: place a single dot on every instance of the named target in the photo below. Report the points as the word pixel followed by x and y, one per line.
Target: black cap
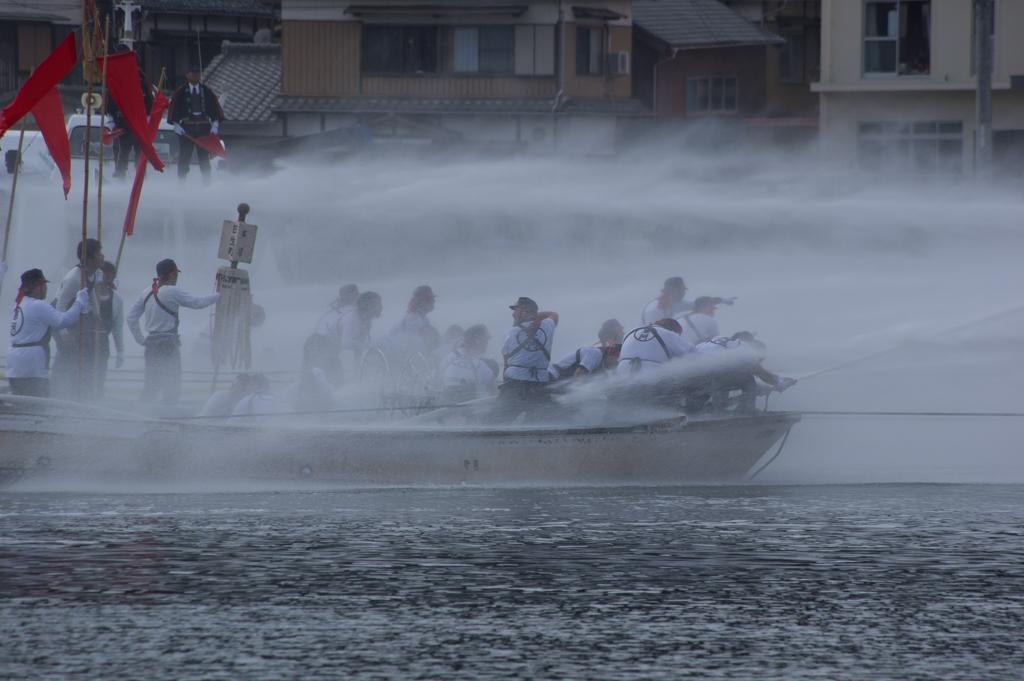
pixel 525 303
pixel 166 267
pixel 673 283
pixel 194 67
pixel 32 277
pixel 423 292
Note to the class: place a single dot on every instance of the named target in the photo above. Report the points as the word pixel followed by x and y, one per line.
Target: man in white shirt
pixel 671 303
pixel 465 374
pixel 65 373
pixel 700 326
pixel 738 363
pixel 111 323
pixel 526 349
pixel 323 347
pixel 355 327
pixel 587 361
pixel 34 320
pixel 157 309
pixel 414 332
pixel 646 349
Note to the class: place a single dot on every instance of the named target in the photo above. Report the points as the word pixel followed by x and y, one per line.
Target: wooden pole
pixel 120 248
pixel 14 188
pixel 85 224
pixel 103 126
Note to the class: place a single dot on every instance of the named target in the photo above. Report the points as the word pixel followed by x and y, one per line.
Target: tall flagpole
pixel 85 222
pixel 103 126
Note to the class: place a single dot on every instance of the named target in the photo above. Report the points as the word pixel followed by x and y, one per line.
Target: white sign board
pixel 236 241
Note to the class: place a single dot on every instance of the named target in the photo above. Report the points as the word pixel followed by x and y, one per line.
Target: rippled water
pixel 842 582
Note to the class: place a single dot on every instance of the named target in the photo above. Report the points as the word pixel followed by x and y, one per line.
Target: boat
pixel 49 439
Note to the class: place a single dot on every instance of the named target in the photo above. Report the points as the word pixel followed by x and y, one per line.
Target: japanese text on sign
pixel 236 241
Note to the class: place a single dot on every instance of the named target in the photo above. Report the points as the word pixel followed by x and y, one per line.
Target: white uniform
pixel 261 403
pixel 698 327
pixel 353 333
pixel 654 312
pixel 589 358
pixel 117 307
pixel 739 351
pixel 31 320
pixel 462 369
pixel 329 326
pixel 642 353
pixel 528 357
pixel 69 287
pixel 155 319
pixel 219 404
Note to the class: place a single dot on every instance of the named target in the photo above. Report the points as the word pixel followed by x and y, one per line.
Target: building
pixel 898 86
pixel 29 32
pixel 247 78
pixel 535 76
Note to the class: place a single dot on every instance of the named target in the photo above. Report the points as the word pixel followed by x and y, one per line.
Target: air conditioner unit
pixel 618 63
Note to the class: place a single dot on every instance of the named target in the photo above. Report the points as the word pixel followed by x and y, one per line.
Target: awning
pixel 596 13
pixel 437 10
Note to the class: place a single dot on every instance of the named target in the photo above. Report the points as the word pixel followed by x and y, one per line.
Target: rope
pixel 777 452
pixel 909 413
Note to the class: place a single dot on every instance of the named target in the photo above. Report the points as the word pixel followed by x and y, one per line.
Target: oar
pixel 898 346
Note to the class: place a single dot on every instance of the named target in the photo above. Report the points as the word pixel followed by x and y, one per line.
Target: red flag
pixel 126 91
pixel 49 115
pixel 211 143
pixel 45 78
pixel 155 116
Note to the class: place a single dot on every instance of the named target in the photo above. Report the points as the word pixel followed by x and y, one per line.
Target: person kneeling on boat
pixel 645 353
pixel 526 348
pixel 587 361
pixel 260 400
pixel 465 373
pixel 223 402
pixel 323 347
pixel 312 392
pixel 742 355
pixel 33 323
pixel 157 308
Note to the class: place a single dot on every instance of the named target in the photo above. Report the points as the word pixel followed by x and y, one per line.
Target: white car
pixel 166 142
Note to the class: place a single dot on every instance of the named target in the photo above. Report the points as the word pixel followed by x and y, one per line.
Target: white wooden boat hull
pixel 98 448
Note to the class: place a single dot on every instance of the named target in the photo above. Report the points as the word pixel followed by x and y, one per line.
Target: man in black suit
pixel 195 112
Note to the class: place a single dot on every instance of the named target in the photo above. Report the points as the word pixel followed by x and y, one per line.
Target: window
pixel 711 95
pixel 485 50
pixel 897 38
pixel 791 58
pixel 589 51
pixel 401 49
pixel 919 148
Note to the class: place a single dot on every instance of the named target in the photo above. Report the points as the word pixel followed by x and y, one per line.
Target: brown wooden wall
pixel 459 86
pixel 320 58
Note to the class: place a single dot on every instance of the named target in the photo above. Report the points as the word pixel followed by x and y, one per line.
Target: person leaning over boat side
pixel 526 349
pixel 744 355
pixel 700 326
pixel 586 361
pixel 157 308
pixel 260 399
pixel 671 303
pixel 414 332
pixel 322 349
pixel 111 324
pixel 356 325
pixel 610 334
pixel 33 322
pixel 223 402
pixel 65 375
pixel 466 375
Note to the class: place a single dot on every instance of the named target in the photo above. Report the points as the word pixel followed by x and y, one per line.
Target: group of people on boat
pixel 675 355
pixel 82 321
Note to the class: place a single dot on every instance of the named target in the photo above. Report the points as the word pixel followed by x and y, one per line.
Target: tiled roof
pixel 695 23
pixel 54 11
pixel 246 78
pixel 399 105
pixel 244 8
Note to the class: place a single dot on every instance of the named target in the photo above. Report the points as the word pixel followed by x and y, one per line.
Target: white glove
pixel 110 125
pixel 178 129
pixel 119 361
pixel 117 283
pixel 3 268
pixel 728 300
pixel 83 297
pixel 215 127
pixel 785 382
